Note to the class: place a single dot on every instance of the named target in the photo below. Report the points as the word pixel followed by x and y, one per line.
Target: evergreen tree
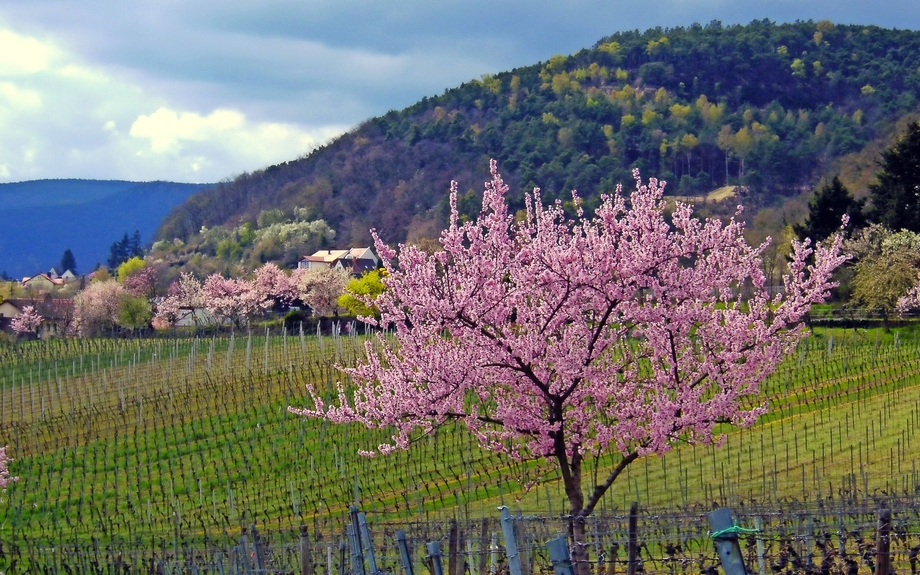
pixel 896 196
pixel 68 262
pixel 125 249
pixel 825 210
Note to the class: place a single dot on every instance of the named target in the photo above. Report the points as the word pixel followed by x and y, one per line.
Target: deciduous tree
pixel 321 288
pixel 96 307
pixel 563 339
pixel 28 322
pixel 360 293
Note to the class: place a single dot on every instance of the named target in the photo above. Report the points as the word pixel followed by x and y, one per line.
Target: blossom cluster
pixel 239 300
pixel 5 477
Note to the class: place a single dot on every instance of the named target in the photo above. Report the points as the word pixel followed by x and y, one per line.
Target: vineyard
pixel 169 443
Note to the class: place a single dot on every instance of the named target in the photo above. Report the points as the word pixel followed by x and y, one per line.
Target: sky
pixel 204 90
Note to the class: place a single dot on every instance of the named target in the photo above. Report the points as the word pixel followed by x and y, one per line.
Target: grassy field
pixel 150 441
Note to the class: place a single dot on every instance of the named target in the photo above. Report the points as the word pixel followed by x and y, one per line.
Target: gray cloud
pixel 307 69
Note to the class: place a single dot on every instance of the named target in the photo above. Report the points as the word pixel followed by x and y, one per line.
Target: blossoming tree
pixel 28 322
pixel 562 338
pixel 320 288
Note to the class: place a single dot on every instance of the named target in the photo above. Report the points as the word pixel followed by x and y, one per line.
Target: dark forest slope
pixel 768 106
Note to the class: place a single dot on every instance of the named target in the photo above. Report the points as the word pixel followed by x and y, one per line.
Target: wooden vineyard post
pixel 483 545
pixel 511 549
pixel 725 537
pixel 632 548
pixel 452 548
pixel 883 543
pixel 306 557
pixel 560 557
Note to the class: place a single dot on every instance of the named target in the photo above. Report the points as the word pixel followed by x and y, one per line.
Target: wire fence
pixel 822 538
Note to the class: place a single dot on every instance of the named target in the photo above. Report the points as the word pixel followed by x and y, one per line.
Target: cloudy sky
pixel 202 90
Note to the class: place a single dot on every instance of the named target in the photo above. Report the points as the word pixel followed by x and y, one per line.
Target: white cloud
pixel 165 128
pixel 21 55
pixel 62 117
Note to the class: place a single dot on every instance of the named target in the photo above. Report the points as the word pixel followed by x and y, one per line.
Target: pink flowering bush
pixel 5 477
pixel 28 322
pixel 562 338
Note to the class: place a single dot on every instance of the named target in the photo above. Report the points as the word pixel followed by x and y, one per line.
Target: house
pixel 354 260
pixel 42 281
pixel 57 314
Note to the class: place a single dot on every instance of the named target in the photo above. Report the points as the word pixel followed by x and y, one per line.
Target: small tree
pixel 321 288
pixel 28 322
pixel 560 339
pixel 5 477
pixel 830 203
pixel 229 298
pixel 96 307
pixel 134 312
pixel 129 267
pixel 186 293
pixel 360 294
pixel 68 262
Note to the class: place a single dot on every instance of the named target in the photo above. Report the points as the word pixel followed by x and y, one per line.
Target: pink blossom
pixel 272 283
pixel 96 307
pixel 187 293
pixel 142 282
pixel 232 299
pixel 564 338
pixel 28 322
pixel 320 288
pixel 5 477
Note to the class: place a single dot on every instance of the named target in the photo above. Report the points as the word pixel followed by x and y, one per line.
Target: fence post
pixel 483 545
pixel 404 552
pixel 354 544
pixel 452 550
pixel 357 554
pixel 257 545
pixel 882 543
pixel 342 558
pixel 726 541
pixel 511 550
pixel 244 547
pixel 306 556
pixel 367 542
pixel 434 555
pixel 560 557
pixel 761 560
pixel 632 545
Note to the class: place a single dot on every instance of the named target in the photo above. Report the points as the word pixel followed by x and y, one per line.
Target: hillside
pixel 771 107
pixel 40 219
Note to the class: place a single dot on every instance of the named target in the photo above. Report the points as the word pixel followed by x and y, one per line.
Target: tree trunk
pixel 579 544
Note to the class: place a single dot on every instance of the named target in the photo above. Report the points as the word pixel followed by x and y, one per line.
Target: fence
pixel 826 538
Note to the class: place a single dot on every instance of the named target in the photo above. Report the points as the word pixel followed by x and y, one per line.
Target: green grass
pixel 138 441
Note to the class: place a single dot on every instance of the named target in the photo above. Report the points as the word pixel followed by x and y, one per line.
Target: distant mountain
pixel 769 107
pixel 40 219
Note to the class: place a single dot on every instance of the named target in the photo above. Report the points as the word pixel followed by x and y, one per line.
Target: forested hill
pixel 768 106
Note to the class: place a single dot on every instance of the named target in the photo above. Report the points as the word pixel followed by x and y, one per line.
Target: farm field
pixel 149 442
